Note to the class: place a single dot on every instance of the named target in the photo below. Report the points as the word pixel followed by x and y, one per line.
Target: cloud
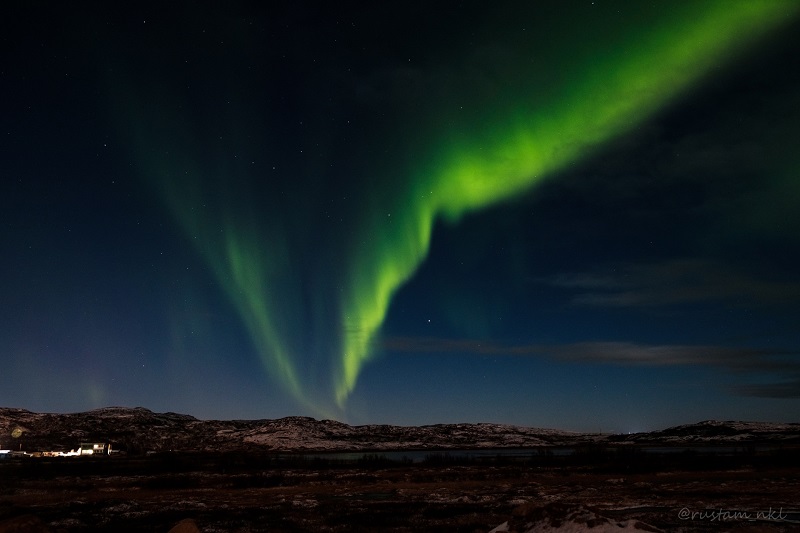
pixel 740 360
pixel 784 389
pixel 672 282
pixel 735 360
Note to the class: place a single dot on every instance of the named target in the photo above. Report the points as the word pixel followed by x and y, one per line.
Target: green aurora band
pixel 607 94
pixel 587 95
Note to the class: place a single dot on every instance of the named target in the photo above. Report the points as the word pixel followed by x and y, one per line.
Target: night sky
pixel 571 214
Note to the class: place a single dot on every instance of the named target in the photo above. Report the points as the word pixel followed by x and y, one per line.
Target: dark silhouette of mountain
pixel 137 430
pixel 717 432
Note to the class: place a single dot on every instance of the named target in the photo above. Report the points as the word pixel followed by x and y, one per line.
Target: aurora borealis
pixel 382 213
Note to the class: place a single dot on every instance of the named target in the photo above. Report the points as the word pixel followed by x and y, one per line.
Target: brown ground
pixel 124 495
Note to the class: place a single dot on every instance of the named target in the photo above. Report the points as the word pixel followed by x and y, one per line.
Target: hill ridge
pixel 140 429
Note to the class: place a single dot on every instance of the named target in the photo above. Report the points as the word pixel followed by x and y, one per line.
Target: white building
pixel 94 448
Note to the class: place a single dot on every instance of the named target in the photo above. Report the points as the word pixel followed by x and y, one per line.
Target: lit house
pixel 94 448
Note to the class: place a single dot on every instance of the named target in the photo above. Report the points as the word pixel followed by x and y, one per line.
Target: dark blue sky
pixel 570 214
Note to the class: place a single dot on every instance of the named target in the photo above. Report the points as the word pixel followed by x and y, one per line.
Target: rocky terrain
pixel 220 476
pixel 713 431
pixel 139 430
pixel 251 495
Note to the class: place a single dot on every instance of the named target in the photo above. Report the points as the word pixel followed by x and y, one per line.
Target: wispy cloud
pixel 735 360
pixel 783 389
pixel 672 282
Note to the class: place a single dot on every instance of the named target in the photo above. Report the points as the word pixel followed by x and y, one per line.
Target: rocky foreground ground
pixel 246 495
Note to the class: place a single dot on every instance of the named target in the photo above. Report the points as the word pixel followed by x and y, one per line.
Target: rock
pixel 566 517
pixel 24 524
pixel 186 525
